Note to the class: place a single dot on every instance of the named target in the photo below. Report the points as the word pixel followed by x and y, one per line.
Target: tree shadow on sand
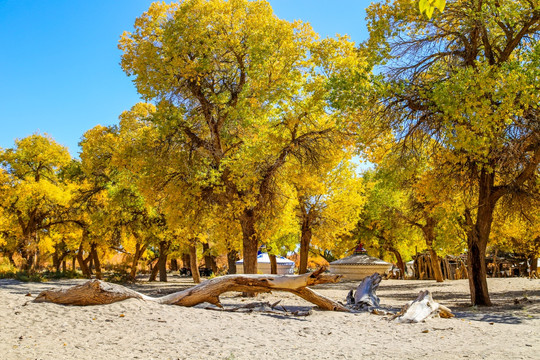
pixel 500 318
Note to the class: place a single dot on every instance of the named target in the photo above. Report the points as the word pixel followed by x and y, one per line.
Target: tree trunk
pixel 232 257
pixel 399 259
pixel 9 255
pixel 209 260
pixel 97 263
pixel 193 263
pixel 37 260
pixel 139 250
pixel 533 267
pixel 273 264
pixel 55 259
pixel 64 266
pixel 477 272
pixel 174 265
pixel 495 264
pixel 161 264
pixel 249 241
pixel 91 262
pixel 83 262
pixel 154 271
pixel 83 265
pixel 185 261
pixel 477 239
pixel 26 254
pixel 97 292
pixel 436 265
pixel 429 235
pixel 476 264
pixel 305 240
pixel 162 261
pixel 59 255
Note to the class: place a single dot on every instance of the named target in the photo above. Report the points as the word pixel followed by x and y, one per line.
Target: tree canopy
pixel 251 130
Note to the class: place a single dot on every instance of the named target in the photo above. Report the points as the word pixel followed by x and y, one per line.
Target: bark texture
pixel 273 264
pixel 232 257
pixel 83 263
pixel 305 240
pixel 161 265
pixel 193 263
pixel 399 259
pixel 97 292
pixel 95 257
pixel 139 250
pixel 478 237
pixel 249 242
pixel 429 235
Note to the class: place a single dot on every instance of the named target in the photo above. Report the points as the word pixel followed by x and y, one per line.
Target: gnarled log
pixel 422 308
pixel 92 292
pixel 96 292
pixel 365 296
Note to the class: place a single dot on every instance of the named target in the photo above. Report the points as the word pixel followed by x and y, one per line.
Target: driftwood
pixel 422 308
pixel 96 292
pixel 92 292
pixel 365 296
pixel 418 310
pixel 264 307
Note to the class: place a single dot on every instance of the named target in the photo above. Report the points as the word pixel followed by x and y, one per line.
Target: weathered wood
pixel 321 301
pixel 96 292
pixel 92 292
pixel 365 296
pixel 263 307
pixel 422 308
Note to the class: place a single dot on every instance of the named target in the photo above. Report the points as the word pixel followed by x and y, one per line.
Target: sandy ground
pixel 134 329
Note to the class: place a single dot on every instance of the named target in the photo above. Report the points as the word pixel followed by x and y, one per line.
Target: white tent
pixel 284 265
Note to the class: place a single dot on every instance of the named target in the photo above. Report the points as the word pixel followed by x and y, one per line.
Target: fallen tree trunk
pixel 96 292
pixel 422 308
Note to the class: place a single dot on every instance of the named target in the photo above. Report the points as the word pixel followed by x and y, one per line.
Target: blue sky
pixel 59 62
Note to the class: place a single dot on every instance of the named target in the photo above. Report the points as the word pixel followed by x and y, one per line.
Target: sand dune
pixel 134 329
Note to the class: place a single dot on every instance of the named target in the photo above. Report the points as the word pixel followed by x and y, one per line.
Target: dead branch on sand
pixel 97 292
